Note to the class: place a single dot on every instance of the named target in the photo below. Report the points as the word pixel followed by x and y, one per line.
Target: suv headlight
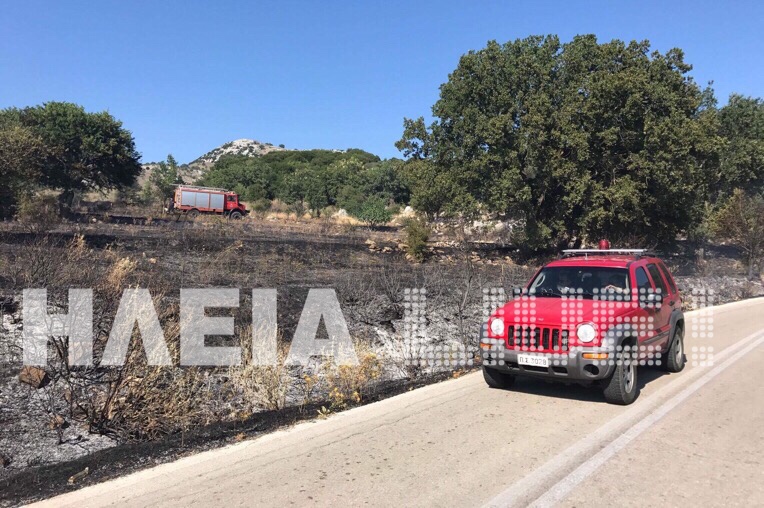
pixel 497 326
pixel 586 332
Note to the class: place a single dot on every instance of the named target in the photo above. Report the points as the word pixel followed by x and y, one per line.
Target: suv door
pixel 644 286
pixel 674 299
pixel 662 316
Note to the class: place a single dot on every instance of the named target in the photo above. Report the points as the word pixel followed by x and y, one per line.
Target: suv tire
pixel 674 359
pixel 497 379
pixel 621 388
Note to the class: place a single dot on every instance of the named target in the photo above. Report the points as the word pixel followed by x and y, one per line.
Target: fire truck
pixel 193 201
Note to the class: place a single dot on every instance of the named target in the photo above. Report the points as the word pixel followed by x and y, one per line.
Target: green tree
pixel 315 177
pixel 236 170
pixel 351 199
pixel 742 160
pixel 22 159
pixel 431 189
pixel 581 140
pixel 164 177
pixel 384 180
pixel 314 189
pixel 86 151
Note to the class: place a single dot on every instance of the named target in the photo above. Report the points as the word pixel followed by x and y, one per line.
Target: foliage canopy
pixel 581 140
pixel 742 159
pixel 316 178
pixel 59 145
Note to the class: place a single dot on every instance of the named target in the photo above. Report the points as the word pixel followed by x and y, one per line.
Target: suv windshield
pixel 587 282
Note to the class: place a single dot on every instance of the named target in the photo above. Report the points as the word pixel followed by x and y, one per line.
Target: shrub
pixel 350 384
pixel 278 206
pixel 417 233
pixel 741 221
pixel 262 386
pixel 374 212
pixel 298 208
pixel 38 211
pixel 261 205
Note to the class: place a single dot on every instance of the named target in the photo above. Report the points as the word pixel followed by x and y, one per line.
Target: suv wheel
pixel 621 388
pixel 673 359
pixel 497 379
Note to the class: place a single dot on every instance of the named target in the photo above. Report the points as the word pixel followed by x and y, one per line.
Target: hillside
pixel 249 147
pixel 194 170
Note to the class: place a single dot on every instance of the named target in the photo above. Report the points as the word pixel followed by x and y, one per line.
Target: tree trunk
pixel 65 200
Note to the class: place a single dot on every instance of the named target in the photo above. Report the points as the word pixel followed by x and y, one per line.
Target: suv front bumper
pixel 570 366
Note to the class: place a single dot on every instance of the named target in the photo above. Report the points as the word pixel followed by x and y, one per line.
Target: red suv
pixel 591 316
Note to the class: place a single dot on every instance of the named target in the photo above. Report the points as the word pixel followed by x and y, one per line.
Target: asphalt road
pixel 693 438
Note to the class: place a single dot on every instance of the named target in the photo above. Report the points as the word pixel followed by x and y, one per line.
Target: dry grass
pixel 138 401
pixel 352 384
pixel 260 386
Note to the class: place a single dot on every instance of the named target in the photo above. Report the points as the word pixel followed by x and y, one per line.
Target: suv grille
pixel 535 338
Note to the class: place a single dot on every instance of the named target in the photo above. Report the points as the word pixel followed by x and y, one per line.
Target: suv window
pixel 643 283
pixel 667 276
pixel 586 282
pixel 657 279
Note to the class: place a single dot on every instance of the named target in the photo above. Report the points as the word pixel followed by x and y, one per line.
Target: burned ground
pixel 370 286
pixel 118 421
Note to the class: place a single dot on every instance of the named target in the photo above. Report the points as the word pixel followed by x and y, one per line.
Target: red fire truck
pixel 193 200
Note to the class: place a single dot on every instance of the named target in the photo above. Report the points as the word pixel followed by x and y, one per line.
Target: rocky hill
pixel 194 170
pixel 249 147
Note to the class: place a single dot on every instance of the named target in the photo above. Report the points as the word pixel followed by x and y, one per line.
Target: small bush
pixel 374 212
pixel 298 208
pixel 748 291
pixel 741 221
pixel 350 384
pixel 262 386
pixel 261 205
pixel 417 233
pixel 278 206
pixel 38 211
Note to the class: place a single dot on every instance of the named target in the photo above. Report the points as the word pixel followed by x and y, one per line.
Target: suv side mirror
pixel 519 291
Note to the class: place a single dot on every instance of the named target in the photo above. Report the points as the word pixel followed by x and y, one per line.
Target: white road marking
pixel 633 420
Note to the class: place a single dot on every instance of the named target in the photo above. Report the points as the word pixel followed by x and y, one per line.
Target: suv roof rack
pixel 638 253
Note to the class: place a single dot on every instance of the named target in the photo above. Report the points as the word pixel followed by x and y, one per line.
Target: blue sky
pixel 187 76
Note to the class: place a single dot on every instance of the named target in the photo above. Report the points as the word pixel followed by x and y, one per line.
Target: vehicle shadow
pixel 575 391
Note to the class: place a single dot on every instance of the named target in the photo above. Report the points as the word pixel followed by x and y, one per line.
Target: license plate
pixel 533 360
